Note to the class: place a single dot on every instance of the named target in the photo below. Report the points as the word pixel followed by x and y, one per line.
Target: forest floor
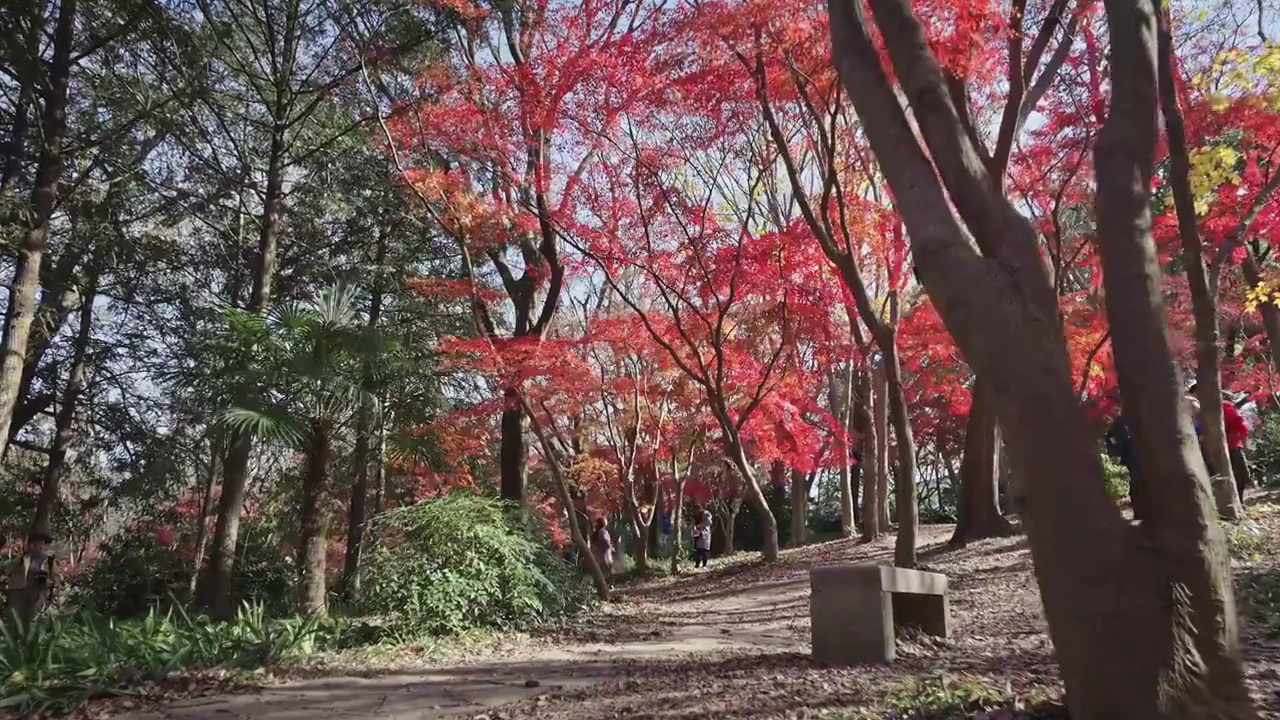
pixel 733 641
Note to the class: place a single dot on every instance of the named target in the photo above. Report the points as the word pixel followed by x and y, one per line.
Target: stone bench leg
pixel 842 638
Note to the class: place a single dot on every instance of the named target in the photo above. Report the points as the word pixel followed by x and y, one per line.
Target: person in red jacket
pixel 1237 436
pixel 1237 432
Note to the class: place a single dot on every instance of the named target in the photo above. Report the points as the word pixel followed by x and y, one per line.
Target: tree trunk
pixel 512 451
pixel 799 508
pixel 213 589
pixel 580 543
pixel 44 196
pixel 904 551
pixel 639 537
pixel 870 465
pixel 314 524
pixel 206 507
pixel 1204 302
pixel 728 512
pixel 215 594
pixel 1170 649
pixel 755 495
pixel 380 459
pixel 64 430
pixel 978 513
pixel 840 398
pixel 677 524
pixel 880 414
pixel 1270 311
pixel 357 512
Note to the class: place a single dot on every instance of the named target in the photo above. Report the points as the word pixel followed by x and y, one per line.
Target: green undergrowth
pixel 63 660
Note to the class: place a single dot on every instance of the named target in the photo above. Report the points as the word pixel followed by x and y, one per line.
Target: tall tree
pixel 998 303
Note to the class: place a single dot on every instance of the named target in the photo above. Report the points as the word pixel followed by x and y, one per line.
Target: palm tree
pixel 302 389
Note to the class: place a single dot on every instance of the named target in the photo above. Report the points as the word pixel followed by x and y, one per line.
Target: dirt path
pixel 709 623
pixel 731 642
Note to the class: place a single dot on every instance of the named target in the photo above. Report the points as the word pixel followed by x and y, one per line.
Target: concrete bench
pixel 854 610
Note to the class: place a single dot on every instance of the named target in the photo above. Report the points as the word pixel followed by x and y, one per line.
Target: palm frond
pixel 271 424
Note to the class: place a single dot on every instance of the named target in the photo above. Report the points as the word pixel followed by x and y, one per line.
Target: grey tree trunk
pixel 314 523
pixel 44 196
pixel 64 430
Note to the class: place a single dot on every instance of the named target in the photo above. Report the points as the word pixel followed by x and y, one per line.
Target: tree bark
pixel 639 537
pixel 357 510
pixel 880 414
pixel 755 496
pixel 512 450
pixel 64 430
pixel 215 592
pixel 357 513
pixel 206 507
pixel 840 398
pixel 728 510
pixel 314 523
pixel 978 497
pixel 799 508
pixel 1270 311
pixel 904 551
pixel 580 542
pixel 1170 650
pixel 1204 302
pixel 871 465
pixel 44 196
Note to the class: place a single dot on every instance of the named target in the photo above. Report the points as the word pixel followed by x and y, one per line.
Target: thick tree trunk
pixel 799 508
pixel 64 430
pixel 44 196
pixel 206 507
pixel 215 585
pixel 314 524
pixel 1170 650
pixel 1204 302
pixel 977 497
pixel 213 588
pixel 512 450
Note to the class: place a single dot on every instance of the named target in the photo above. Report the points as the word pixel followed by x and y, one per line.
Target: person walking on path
pixel 702 539
pixel 1237 437
pixel 602 547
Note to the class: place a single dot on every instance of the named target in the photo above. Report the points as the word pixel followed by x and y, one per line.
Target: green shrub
pixel 61 661
pixel 134 573
pixel 461 562
pixel 1116 477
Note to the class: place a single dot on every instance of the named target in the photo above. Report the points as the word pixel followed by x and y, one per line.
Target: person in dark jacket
pixel 1120 447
